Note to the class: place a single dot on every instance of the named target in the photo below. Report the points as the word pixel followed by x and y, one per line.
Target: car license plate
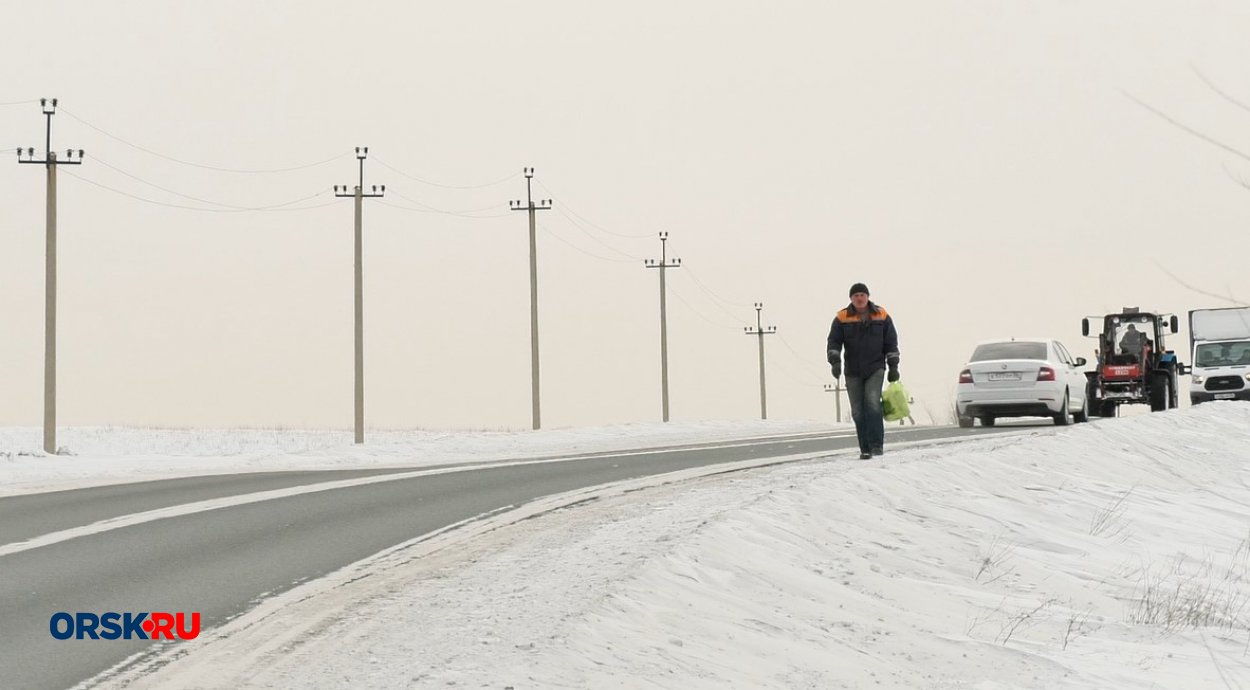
pixel 1225 396
pixel 1005 376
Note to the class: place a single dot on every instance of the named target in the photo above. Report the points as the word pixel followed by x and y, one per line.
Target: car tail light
pixel 1045 374
pixel 965 376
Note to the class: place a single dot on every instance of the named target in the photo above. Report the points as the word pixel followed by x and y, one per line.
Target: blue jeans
pixel 865 395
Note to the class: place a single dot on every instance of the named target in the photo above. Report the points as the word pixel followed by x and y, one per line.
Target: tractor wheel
pixel 1091 389
pixel 1160 393
pixel 965 422
pixel 1082 415
pixel 1064 416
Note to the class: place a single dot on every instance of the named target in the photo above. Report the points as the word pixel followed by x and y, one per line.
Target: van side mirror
pixel 1084 326
pixel 1080 361
pixel 1183 369
pixel 1173 323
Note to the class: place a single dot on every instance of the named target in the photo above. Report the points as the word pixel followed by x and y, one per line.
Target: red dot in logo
pixel 148 626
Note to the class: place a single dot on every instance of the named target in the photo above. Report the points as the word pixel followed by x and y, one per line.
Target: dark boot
pixel 878 450
pixel 865 456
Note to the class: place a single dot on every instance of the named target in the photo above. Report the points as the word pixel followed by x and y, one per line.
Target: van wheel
pixel 987 420
pixel 965 422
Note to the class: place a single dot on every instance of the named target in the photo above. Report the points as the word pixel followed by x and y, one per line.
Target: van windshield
pixel 1222 354
pixel 1009 350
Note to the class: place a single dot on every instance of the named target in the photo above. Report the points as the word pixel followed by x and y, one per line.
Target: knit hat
pixel 859 287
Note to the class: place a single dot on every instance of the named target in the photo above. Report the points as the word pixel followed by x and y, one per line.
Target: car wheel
pixel 1082 415
pixel 987 420
pixel 1063 417
pixel 965 422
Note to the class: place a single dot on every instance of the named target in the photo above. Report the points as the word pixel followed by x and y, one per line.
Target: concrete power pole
pixel 49 295
pixel 761 332
pixel 837 397
pixel 663 265
pixel 531 207
pixel 359 194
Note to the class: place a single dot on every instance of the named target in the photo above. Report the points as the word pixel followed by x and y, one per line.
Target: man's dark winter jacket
pixel 870 341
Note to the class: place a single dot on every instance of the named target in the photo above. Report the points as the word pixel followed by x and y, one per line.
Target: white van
pixel 1220 346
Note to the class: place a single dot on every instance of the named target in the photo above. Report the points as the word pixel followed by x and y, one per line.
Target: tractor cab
pixel 1132 338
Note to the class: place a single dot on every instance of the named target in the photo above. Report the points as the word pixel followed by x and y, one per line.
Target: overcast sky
pixel 980 165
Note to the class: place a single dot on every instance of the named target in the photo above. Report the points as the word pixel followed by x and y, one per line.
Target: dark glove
pixel 892 376
pixel 836 368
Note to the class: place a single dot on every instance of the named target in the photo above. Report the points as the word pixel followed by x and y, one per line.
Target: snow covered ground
pixel 1108 555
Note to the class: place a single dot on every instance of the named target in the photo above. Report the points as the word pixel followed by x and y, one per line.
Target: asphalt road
pixel 221 562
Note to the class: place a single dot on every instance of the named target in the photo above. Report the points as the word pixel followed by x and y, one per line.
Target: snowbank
pixel 1109 555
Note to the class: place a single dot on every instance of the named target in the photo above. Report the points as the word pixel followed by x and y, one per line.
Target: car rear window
pixel 1011 350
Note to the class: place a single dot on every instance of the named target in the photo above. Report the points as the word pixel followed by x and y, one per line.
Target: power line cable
pixel 721 302
pixel 717 302
pixel 806 361
pixel 586 220
pixel 699 313
pixel 236 207
pixel 199 208
pixel 796 377
pixel 438 212
pixel 739 305
pixel 33 100
pixel 711 293
pixel 585 232
pixel 444 186
pixel 434 209
pixel 200 165
pixel 547 230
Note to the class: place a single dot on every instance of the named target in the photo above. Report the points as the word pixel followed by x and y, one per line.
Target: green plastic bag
pixel 894 402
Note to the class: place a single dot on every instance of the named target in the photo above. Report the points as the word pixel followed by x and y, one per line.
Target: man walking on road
pixel 867 334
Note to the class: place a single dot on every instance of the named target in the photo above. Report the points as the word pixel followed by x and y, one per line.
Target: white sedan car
pixel 1033 377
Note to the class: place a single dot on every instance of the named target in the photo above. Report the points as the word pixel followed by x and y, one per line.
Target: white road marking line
pixel 260 496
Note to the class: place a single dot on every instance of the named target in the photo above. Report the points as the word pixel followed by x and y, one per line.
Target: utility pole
pixel 836 389
pixel 49 294
pixel 761 332
pixel 664 264
pixel 359 194
pixel 530 206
